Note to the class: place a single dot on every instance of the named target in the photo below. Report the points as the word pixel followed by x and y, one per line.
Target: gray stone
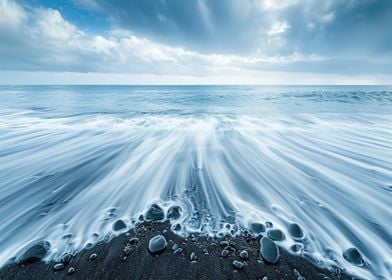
pixel 157 244
pixel 244 255
pixel 35 252
pixel 276 234
pixel 238 265
pixel 58 266
pixel 257 228
pixel 119 225
pixel 224 253
pixel 353 256
pixel 93 257
pixel 155 213
pixel 295 231
pixel 174 212
pixel 71 271
pixel 269 251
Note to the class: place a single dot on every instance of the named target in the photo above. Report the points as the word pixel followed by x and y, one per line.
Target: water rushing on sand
pixel 73 160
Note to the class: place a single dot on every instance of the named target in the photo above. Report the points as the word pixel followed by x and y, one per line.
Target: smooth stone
pixel 238 264
pixel 177 227
pixel 269 251
pixel 155 213
pixel 174 247
pixel 295 231
pixel 119 225
pixel 71 270
pixel 157 244
pixel 35 252
pixel 295 248
pixel 174 212
pixel 269 224
pixel 58 266
pixel 193 256
pixel 66 258
pixel 244 255
pixel 257 228
pixel 224 253
pixel 178 251
pixel 276 234
pixel 353 256
pixel 93 257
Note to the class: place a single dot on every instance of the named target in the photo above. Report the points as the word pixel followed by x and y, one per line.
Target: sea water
pixel 75 159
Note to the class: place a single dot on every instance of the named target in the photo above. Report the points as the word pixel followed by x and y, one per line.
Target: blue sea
pixel 75 159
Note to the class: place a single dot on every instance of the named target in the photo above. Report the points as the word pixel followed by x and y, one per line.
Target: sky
pixel 196 42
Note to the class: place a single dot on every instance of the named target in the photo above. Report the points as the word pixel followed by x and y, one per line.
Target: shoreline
pixel 127 256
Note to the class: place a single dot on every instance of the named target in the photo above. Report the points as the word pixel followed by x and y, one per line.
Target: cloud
pixel 41 39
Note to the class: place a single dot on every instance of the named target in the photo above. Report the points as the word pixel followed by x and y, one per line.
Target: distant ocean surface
pixel 75 159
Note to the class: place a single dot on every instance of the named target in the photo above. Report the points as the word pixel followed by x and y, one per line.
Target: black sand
pixel 112 262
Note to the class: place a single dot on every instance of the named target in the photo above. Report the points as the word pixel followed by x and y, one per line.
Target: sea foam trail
pixel 66 180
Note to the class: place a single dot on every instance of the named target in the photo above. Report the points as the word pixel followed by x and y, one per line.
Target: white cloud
pixel 11 14
pixel 278 28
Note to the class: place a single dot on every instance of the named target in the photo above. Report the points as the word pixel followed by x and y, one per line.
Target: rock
pixel 174 247
pixel 269 251
pixel 224 253
pixel 193 256
pixel 66 258
pixel 177 227
pixel 353 256
pixel 93 257
pixel 276 234
pixel 157 244
pixel 269 224
pixel 295 231
pixel 35 252
pixel 224 243
pixel 295 248
pixel 257 228
pixel 155 213
pixel 178 251
pixel 133 241
pixel 119 225
pixel 71 271
pixel 238 265
pixel 58 266
pixel 244 255
pixel 174 212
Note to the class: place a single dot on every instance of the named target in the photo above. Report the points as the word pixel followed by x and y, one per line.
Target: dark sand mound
pixel 127 257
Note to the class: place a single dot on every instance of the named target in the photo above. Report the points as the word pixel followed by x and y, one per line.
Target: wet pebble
pixel 295 231
pixel 157 244
pixel 276 234
pixel 238 265
pixel 119 225
pixel 174 212
pixel 269 251
pixel 155 213
pixel 224 253
pixel 66 258
pixel 257 228
pixel 174 247
pixel 295 248
pixel 58 266
pixel 35 252
pixel 93 257
pixel 244 255
pixel 353 256
pixel 178 251
pixel 193 256
pixel 133 241
pixel 71 271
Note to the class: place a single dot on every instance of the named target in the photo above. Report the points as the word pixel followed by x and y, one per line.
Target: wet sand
pixel 127 257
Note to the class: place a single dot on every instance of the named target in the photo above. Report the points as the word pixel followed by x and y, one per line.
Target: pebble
pixel 224 253
pixel 178 251
pixel 93 257
pixel 133 241
pixel 155 213
pixel 276 234
pixel 353 256
pixel 257 228
pixel 35 252
pixel 295 248
pixel 174 247
pixel 238 265
pixel 66 258
pixel 295 231
pixel 119 225
pixel 193 256
pixel 269 251
pixel 71 270
pixel 177 227
pixel 157 244
pixel 174 212
pixel 224 243
pixel 269 225
pixel 58 266
pixel 244 255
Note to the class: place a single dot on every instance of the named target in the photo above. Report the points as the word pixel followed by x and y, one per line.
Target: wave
pixel 67 180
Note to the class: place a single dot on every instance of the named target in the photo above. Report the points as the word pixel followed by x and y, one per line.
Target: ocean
pixel 75 159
